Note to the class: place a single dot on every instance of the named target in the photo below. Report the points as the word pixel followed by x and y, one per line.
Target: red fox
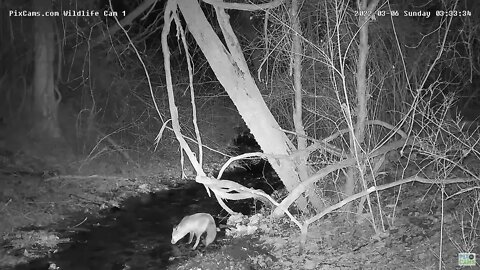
pixel 195 224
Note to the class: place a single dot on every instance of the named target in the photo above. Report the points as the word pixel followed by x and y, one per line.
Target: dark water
pixel 137 235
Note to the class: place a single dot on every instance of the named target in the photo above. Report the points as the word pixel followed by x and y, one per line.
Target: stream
pixel 137 235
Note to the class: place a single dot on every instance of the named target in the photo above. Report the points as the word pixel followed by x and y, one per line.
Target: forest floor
pixel 415 230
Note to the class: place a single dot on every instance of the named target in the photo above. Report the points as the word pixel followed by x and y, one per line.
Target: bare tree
pixel 45 103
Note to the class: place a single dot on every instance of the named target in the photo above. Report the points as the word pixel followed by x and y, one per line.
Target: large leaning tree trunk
pixel 230 68
pixel 45 105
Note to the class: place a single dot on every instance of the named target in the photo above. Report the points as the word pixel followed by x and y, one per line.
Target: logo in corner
pixel 467 259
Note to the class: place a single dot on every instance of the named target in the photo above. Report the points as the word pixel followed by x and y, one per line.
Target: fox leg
pixel 190 238
pixel 196 242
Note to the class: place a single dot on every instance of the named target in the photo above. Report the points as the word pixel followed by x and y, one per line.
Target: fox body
pixel 195 224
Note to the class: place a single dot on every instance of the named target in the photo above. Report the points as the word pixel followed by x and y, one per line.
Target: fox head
pixel 176 235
